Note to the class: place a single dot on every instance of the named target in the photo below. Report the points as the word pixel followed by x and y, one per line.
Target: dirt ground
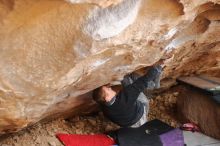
pixel 43 134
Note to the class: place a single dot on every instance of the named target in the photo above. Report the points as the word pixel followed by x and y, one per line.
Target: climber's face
pixel 108 92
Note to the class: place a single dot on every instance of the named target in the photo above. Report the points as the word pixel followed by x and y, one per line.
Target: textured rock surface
pixel 54 52
pixel 102 3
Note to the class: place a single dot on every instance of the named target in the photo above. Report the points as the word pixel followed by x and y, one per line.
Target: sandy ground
pixel 43 134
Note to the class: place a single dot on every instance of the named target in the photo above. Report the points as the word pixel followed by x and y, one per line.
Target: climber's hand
pixel 161 63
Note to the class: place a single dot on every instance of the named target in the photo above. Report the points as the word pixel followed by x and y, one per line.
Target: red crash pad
pixel 85 140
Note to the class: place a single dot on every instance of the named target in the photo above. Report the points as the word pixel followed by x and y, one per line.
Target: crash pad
pixel 85 140
pixel 199 139
pixel 172 138
pixel 146 135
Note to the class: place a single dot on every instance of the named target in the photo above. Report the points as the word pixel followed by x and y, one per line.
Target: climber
pixel 128 108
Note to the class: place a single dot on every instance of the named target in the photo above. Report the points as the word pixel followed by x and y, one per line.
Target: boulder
pixel 54 53
pixel 200 108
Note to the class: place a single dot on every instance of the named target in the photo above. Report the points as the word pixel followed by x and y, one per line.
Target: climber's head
pixel 103 94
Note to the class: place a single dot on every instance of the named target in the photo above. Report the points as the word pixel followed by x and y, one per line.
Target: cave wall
pixel 54 52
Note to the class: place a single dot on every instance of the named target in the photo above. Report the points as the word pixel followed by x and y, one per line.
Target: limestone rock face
pixel 102 3
pixel 53 53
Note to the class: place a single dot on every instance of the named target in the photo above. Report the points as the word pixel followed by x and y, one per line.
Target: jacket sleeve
pixel 129 79
pixel 130 93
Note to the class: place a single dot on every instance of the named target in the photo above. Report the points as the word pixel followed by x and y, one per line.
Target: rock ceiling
pixel 54 52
